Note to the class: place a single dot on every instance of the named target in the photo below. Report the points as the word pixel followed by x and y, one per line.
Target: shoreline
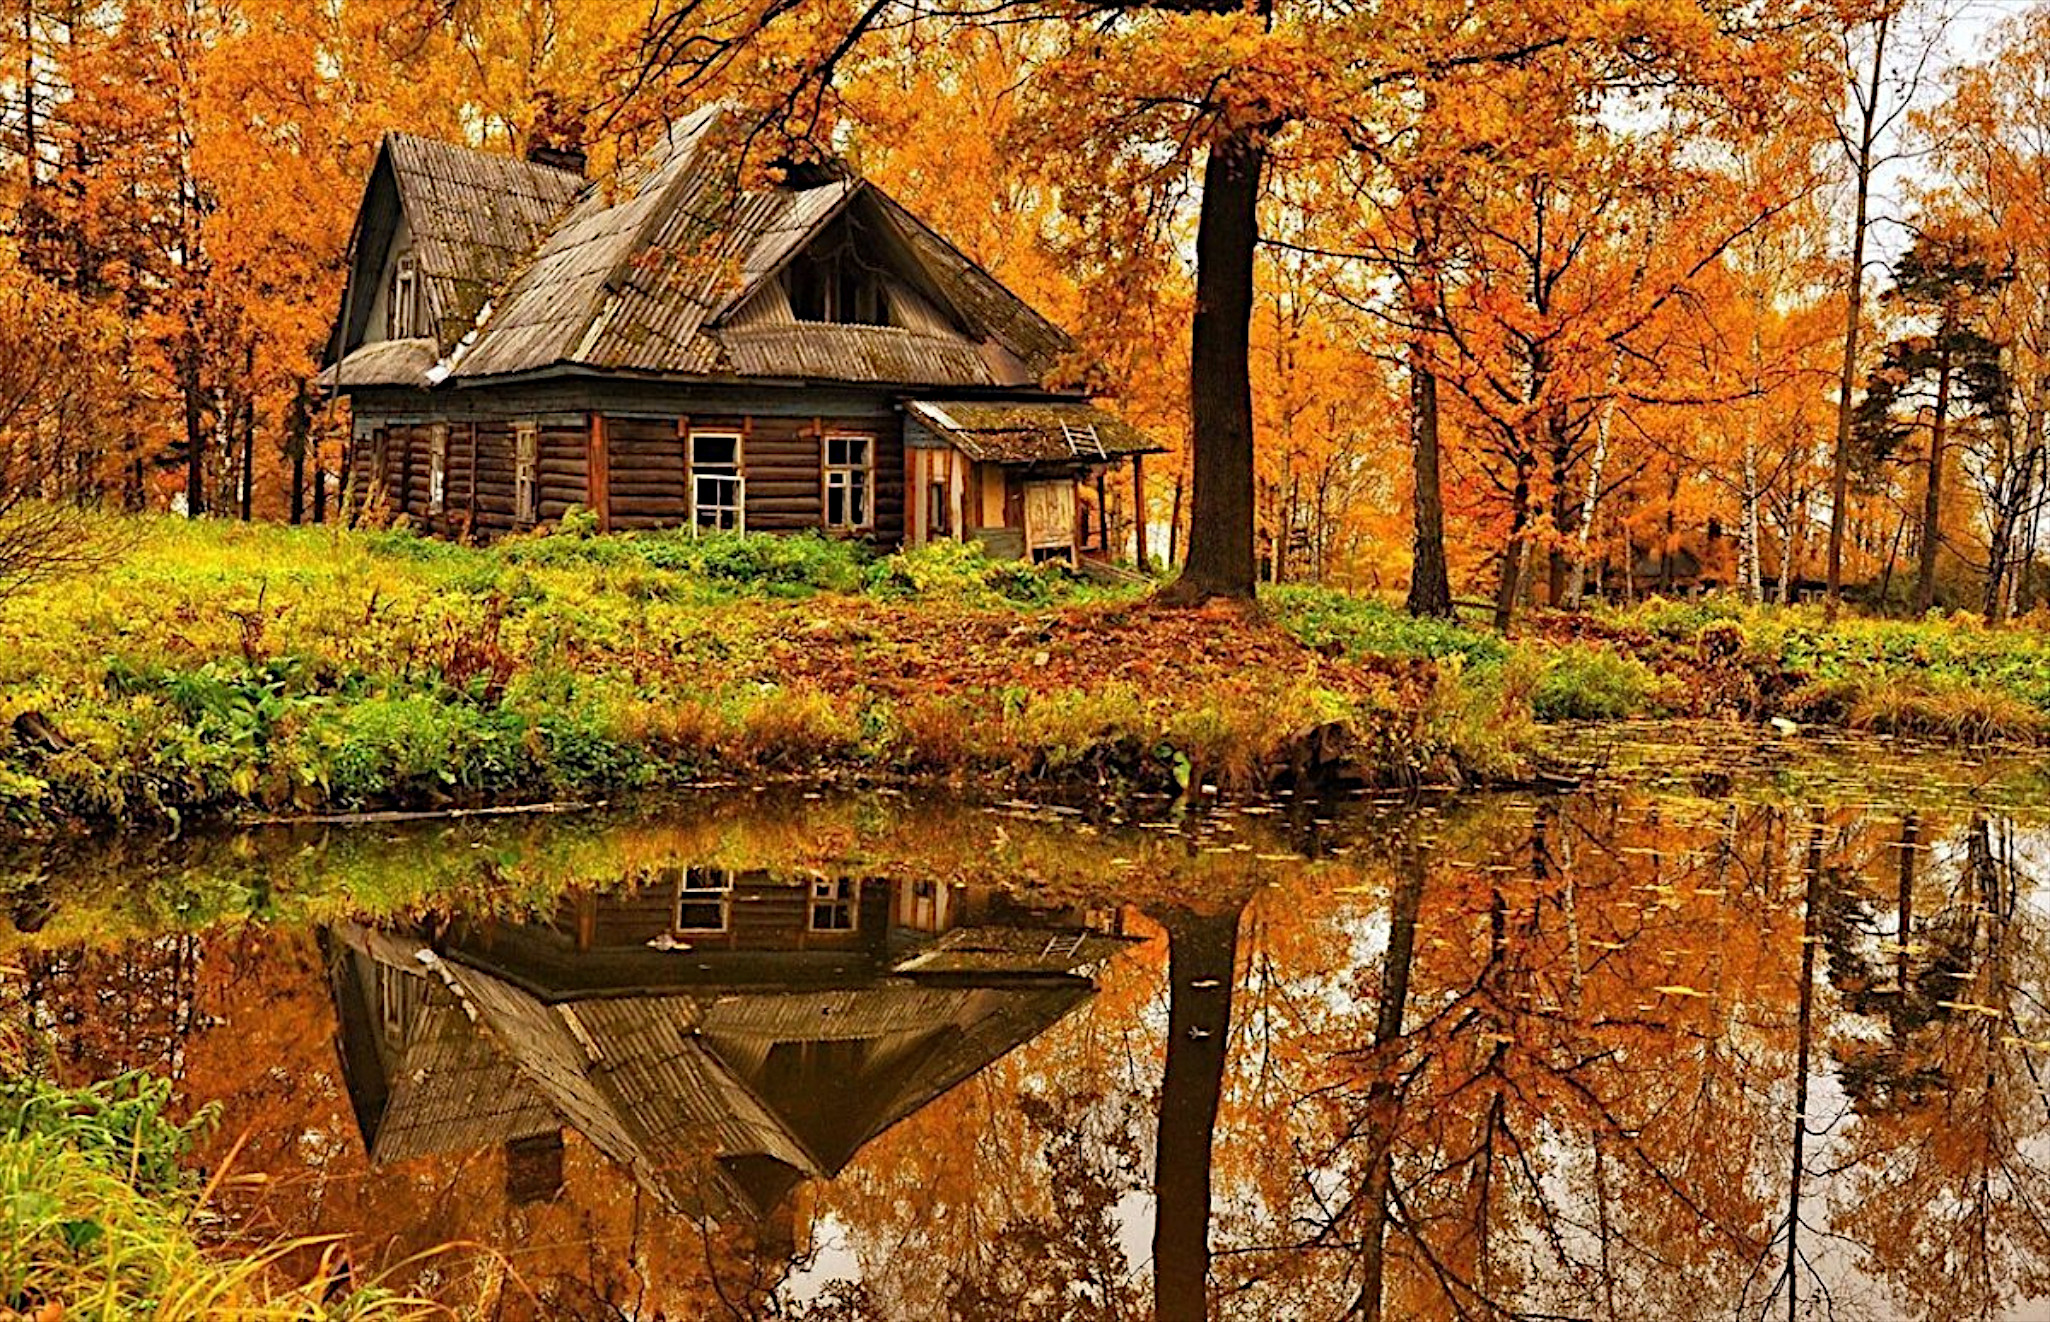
pixel 223 671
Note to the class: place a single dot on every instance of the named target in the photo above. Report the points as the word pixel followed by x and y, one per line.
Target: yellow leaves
pixel 1680 990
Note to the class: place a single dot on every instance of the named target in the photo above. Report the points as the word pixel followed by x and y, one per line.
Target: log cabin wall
pixel 648 474
pixel 643 440
pixel 562 466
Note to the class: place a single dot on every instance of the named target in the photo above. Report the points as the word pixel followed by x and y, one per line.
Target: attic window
pixel 835 286
pixel 405 299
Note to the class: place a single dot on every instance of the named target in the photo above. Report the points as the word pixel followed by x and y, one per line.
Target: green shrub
pixel 1582 683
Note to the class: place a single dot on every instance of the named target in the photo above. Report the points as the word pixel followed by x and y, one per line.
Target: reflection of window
pixel 526 452
pixel 850 463
pixel 391 1003
pixel 922 913
pixel 832 906
pixel 405 285
pixel 437 467
pixel 702 896
pixel 717 490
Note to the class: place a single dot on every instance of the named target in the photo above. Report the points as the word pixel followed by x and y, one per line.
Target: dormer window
pixel 836 286
pixel 405 299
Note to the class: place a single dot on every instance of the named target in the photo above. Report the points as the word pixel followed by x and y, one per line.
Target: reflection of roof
pixel 999 950
pixel 715 1096
pixel 1037 432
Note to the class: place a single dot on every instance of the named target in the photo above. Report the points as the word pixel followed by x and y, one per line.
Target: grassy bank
pixel 97 1219
pixel 225 667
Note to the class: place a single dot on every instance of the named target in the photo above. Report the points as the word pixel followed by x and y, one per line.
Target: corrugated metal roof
pixel 1032 431
pixel 473 216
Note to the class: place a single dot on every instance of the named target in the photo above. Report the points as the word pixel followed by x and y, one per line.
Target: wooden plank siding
pixel 632 469
pixel 562 467
pixel 649 482
pixel 762 914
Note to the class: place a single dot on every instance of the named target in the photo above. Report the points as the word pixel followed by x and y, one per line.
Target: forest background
pixel 1604 258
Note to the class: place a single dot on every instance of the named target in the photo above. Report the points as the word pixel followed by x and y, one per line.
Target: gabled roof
pixel 1040 431
pixel 471 217
pixel 655 272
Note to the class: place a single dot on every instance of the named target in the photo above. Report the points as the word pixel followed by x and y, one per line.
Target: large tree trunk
pixel 1512 553
pixel 1201 950
pixel 1854 306
pixel 1220 562
pixel 1430 585
pixel 1932 491
pixel 195 434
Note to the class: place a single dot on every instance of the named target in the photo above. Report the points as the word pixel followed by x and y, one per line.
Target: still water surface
pixel 1635 1051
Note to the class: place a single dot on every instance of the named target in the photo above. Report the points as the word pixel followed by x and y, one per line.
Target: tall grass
pixel 97 1221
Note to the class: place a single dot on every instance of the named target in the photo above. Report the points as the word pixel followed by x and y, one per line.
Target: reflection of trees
pixel 1202 951
pixel 1951 1196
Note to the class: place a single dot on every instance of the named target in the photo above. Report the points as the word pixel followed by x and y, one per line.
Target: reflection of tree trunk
pixel 1199 974
pixel 1403 904
pixel 1904 922
pixel 1805 1036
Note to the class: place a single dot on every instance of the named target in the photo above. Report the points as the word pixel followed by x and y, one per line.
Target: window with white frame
pixel 391 1003
pixel 437 467
pixel 718 493
pixel 704 898
pixel 850 481
pixel 405 299
pixel 526 457
pixel 832 905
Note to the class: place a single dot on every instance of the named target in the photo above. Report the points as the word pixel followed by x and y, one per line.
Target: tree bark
pixel 1854 306
pixel 1932 491
pixel 1512 553
pixel 1220 562
pixel 195 442
pixel 1201 951
pixel 1430 585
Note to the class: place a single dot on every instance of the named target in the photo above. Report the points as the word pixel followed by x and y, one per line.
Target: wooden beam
pixel 598 478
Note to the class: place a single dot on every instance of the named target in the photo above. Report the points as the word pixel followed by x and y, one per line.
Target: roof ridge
pixel 485 153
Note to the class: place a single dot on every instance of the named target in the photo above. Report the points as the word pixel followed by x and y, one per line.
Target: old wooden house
pixel 721 1037
pixel 685 346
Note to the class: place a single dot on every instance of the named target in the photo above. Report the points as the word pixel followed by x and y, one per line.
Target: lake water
pixel 1713 1034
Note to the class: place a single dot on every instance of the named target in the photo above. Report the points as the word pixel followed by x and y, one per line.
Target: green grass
pixel 219 666
pixel 97 1219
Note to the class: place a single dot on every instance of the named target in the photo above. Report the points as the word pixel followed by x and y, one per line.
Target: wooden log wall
pixel 493 496
pixel 649 481
pixel 646 470
pixel 561 469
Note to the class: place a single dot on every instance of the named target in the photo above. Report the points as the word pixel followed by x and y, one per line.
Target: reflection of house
pixel 721 1037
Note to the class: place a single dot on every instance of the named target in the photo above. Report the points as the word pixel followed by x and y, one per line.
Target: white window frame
pixel 703 886
pixel 833 896
pixel 526 474
pixel 405 298
pixel 730 514
pixel 848 478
